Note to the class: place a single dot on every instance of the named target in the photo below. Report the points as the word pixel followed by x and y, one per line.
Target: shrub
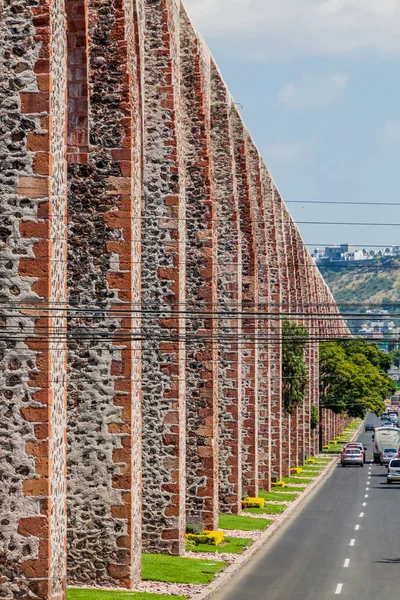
pixel 195 527
pixel 253 503
pixel 297 470
pixel 211 538
pixel 278 484
pixel 310 461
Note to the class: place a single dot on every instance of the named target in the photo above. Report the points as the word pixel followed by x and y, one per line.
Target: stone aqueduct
pixel 147 259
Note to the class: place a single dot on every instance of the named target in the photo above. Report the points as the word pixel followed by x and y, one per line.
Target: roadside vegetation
pixel 353 377
pixel 294 368
pixel 230 545
pixel 177 569
pixel 241 523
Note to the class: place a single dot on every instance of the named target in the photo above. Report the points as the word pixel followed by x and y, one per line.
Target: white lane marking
pixel 361 515
pixel 367 489
pixel 366 496
pixel 364 504
pixel 346 563
pixel 356 528
pixel 352 542
pixel 339 588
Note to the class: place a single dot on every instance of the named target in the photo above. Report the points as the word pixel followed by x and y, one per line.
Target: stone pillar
pixel 201 284
pixel 302 306
pixel 283 251
pixel 33 292
pixel 247 214
pixel 163 283
pixel 104 141
pixel 257 472
pixel 229 296
pixel 293 279
pixel 275 347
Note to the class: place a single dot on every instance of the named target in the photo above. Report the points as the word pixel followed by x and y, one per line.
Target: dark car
pixel 369 427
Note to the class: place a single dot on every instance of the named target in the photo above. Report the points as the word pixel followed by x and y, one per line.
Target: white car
pixel 387 455
pixel 393 472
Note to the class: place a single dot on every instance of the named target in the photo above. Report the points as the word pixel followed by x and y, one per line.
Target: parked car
pixel 393 472
pixel 353 456
pixel 387 455
pixel 369 427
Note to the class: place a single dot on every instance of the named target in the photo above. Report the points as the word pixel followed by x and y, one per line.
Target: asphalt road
pixel 345 541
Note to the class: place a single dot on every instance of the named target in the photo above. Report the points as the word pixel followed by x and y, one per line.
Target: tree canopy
pixel 353 377
pixel 294 370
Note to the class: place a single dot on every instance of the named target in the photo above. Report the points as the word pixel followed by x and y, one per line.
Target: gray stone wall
pixel 201 289
pixel 229 294
pixel 58 273
pixel 163 264
pixel 181 259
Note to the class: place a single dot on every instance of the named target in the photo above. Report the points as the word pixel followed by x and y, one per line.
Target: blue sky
pixel 320 88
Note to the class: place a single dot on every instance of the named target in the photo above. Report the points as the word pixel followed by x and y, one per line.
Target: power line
pixel 352 203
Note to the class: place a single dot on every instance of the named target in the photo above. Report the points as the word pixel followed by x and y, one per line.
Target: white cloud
pixel 312 92
pixel 267 29
pixel 389 133
pixel 288 153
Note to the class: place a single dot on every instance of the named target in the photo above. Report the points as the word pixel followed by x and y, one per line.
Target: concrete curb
pixel 233 568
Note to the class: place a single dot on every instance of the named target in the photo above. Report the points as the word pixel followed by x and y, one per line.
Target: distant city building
pixel 348 252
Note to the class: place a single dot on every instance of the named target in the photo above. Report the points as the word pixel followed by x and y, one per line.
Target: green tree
pixel 294 370
pixel 353 377
pixel 314 417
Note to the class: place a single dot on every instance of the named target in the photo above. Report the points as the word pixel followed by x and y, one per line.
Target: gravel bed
pixel 176 589
pixel 270 517
pixel 238 533
pixel 223 556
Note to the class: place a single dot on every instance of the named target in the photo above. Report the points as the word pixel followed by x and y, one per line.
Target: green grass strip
pixel 294 488
pixel 299 479
pixel 269 509
pixel 82 594
pixel 277 496
pixel 242 523
pixel 230 544
pixel 176 569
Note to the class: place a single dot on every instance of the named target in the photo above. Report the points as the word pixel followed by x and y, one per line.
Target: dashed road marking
pixel 356 528
pixel 361 515
pixel 364 504
pixel 352 542
pixel 366 496
pixel 339 588
pixel 346 563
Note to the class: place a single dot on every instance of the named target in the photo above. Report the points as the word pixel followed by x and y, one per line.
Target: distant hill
pixel 377 282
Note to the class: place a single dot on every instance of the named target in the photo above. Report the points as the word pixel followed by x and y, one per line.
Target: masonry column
pixel 229 296
pixel 104 461
pixel 315 349
pixel 275 308
pixel 33 290
pixel 249 340
pixel 307 303
pixel 283 249
pixel 293 279
pixel 256 425
pixel 163 283
pixel 201 284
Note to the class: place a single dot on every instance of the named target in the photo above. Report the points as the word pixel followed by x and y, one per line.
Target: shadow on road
pixel 389 561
